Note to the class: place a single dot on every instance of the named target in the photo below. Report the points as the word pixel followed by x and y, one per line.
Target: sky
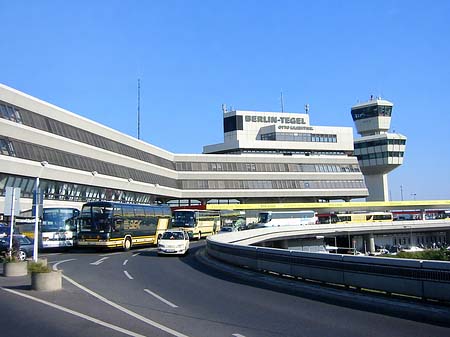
pixel 193 56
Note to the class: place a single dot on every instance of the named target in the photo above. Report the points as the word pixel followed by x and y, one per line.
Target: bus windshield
pixel 263 218
pixel 54 219
pixel 96 219
pixel 183 219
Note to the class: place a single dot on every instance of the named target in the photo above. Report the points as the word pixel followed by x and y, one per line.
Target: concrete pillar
pixel 377 184
pixel 369 241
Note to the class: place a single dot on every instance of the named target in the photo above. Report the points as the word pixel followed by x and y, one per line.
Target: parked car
pixel 4 231
pixel 173 242
pixel 227 229
pixel 25 249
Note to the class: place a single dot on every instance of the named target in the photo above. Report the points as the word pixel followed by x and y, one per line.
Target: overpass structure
pixel 424 279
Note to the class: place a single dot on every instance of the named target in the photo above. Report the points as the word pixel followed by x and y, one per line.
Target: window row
pixel 60 158
pixel 265 167
pixel 271 184
pixel 55 190
pixel 380 155
pixel 10 113
pixel 68 131
pixel 371 111
pixel 300 137
pixel 381 142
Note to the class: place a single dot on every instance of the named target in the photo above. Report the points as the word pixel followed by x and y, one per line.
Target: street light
pixel 37 199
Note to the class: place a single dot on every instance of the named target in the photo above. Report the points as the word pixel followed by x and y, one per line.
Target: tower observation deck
pixel 377 150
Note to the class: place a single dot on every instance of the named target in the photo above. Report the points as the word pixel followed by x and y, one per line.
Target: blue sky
pixel 192 56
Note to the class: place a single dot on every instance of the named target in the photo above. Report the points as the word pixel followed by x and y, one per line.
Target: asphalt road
pixel 139 293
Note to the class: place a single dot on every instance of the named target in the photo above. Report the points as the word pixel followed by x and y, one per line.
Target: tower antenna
pixel 281 99
pixel 139 110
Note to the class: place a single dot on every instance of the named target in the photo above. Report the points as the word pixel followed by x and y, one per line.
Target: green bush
pixel 439 255
pixel 38 267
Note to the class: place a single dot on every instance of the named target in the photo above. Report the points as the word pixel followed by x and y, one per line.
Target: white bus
pixel 286 218
pixel 56 230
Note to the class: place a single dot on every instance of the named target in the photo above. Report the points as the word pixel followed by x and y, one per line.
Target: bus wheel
pixel 199 235
pixel 127 244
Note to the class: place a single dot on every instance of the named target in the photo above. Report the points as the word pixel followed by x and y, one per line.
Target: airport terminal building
pixel 265 157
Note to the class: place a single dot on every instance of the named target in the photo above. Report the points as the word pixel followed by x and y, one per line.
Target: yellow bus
pixel 365 217
pixel 196 222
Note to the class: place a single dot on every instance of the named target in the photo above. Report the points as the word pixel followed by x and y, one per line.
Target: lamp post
pixel 36 216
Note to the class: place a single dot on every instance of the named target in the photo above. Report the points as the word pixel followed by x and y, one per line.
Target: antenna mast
pixel 139 110
pixel 282 104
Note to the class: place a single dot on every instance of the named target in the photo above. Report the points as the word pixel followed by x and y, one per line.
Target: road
pixel 139 293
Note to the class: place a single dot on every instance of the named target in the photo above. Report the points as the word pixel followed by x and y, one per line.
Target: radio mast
pixel 281 99
pixel 139 109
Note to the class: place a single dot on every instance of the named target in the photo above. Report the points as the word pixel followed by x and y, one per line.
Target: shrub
pixel 38 267
pixel 439 255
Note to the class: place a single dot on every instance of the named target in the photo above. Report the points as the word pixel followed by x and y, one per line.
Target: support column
pixel 369 241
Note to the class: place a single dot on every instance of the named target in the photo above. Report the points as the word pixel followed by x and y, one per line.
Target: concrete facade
pixel 86 161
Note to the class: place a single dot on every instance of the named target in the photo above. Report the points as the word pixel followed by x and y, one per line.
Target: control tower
pixel 377 150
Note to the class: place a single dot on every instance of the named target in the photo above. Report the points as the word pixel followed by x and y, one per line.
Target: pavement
pixel 401 306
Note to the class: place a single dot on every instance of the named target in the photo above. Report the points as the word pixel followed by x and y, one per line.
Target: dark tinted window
pixel 232 123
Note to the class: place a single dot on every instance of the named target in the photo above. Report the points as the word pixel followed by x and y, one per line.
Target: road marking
pixel 125 262
pixel 136 254
pixel 55 266
pixel 237 335
pixel 127 311
pixel 96 263
pixel 128 275
pixel 161 299
pixel 75 313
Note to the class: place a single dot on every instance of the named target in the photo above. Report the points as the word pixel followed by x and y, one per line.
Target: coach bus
pixel 119 225
pixel 55 228
pixel 286 218
pixel 197 223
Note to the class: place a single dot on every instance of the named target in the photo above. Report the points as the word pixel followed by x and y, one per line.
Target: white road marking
pixel 237 335
pixel 161 299
pixel 127 311
pixel 125 262
pixel 136 254
pixel 55 266
pixel 96 263
pixel 128 275
pixel 75 313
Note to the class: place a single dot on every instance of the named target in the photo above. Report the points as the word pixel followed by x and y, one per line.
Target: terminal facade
pixel 265 157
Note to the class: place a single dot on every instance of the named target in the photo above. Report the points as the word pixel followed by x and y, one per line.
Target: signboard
pixel 38 201
pixel 12 201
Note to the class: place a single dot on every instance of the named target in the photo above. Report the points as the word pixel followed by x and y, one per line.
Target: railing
pixel 424 279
